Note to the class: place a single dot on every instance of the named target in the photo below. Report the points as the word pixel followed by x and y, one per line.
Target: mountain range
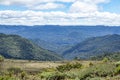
pixel 17 47
pixel 58 38
pixel 94 46
pixel 83 42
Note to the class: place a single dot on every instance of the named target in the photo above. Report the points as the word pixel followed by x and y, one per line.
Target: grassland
pixel 30 65
pixel 59 70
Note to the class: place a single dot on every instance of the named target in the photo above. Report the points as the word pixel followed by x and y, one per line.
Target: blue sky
pixel 113 6
pixel 60 12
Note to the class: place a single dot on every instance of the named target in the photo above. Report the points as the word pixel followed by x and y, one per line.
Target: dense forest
pixel 16 47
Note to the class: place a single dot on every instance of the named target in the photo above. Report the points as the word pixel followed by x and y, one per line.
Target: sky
pixel 60 12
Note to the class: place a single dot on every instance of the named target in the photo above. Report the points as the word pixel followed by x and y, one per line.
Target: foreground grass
pixel 61 70
pixel 27 65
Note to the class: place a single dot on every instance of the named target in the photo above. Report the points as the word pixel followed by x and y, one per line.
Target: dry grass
pixel 36 66
pixel 29 65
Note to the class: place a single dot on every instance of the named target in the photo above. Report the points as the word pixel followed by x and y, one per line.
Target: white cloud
pixel 86 5
pixel 95 1
pixel 58 18
pixel 81 12
pixel 52 4
pixel 30 2
pixel 47 6
pixel 83 7
pixel 12 2
pixel 35 4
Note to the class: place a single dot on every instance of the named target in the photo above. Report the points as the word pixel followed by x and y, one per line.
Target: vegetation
pixel 1 58
pixel 68 67
pixel 105 59
pixel 53 76
pixel 14 46
pixel 111 56
pixel 74 70
pixel 117 67
pixel 14 70
pixel 58 37
pixel 94 47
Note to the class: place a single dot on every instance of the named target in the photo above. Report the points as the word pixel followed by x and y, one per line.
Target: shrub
pixel 90 64
pixel 1 58
pixel 14 70
pixel 68 67
pixel 7 78
pixel 117 63
pixel 97 70
pixel 23 75
pixel 100 70
pixel 58 76
pixel 1 63
pixel 117 70
pixel 52 76
pixel 105 59
pixel 116 77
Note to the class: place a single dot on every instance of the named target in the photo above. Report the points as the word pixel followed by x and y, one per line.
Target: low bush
pixel 90 64
pixel 1 58
pixel 105 60
pixel 98 70
pixel 117 63
pixel 117 69
pixel 14 70
pixel 23 75
pixel 52 76
pixel 7 78
pixel 68 67
pixel 116 77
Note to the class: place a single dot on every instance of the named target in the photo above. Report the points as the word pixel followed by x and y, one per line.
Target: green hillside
pixel 94 46
pixel 14 46
pixel 110 56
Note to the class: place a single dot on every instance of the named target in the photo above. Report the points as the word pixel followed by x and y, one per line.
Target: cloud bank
pixel 79 12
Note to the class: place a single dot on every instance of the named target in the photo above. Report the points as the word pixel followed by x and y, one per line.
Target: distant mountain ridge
pixel 62 37
pixel 94 46
pixel 17 47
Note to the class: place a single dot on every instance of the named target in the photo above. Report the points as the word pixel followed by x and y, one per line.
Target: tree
pixel 1 62
pixel 77 58
pixel 1 58
pixel 105 59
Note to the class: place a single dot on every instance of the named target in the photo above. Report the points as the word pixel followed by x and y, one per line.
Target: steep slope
pixel 14 46
pixel 94 46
